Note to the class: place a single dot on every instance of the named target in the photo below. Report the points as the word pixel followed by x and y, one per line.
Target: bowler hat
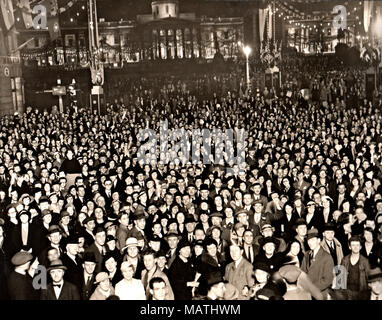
pixel 189 219
pixel 21 258
pixel 312 233
pixel 56 264
pixel 329 227
pixel 89 257
pixel 72 239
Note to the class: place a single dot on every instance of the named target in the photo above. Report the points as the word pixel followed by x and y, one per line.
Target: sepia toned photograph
pixel 190 151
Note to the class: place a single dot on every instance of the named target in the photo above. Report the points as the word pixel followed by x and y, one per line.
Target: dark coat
pixel 320 271
pixel 99 257
pixel 179 274
pixel 20 287
pixel 74 273
pixel 68 292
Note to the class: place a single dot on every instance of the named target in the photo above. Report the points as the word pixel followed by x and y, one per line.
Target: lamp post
pixel 247 51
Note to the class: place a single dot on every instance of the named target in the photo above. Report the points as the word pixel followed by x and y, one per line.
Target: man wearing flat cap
pixel 19 281
pixel 317 263
pixel 59 289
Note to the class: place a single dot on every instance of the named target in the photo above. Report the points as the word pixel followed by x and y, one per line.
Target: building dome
pixel 162 9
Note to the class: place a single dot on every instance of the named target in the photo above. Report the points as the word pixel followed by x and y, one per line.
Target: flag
pixel 8 18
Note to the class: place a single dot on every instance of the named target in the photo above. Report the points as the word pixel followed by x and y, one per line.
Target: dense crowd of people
pixel 84 215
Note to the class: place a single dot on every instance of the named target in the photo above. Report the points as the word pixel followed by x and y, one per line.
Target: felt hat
pixel 56 264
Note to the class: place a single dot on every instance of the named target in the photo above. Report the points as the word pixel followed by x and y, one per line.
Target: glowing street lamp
pixel 247 51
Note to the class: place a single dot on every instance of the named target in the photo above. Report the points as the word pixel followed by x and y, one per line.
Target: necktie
pixel 88 281
pixel 190 237
pixel 310 258
pixel 249 254
pixel 57 285
pixel 145 280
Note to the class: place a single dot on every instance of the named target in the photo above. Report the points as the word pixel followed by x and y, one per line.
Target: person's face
pixel 376 287
pixel 24 218
pixel 355 247
pixel 235 252
pixel 161 262
pixel 55 238
pixel 204 194
pixel 172 242
pixel 124 220
pixel 159 290
pixel 313 243
pixel 105 284
pixel 100 238
pixel 301 230
pixel 204 217
pixel 295 248
pixel 149 261
pixel 185 252
pixel 90 225
pixel 72 248
pixel 212 250
pixel 128 273
pixel 57 275
pixel 111 265
pixel 261 276
pixel 329 235
pixel 248 238
pixel 132 251
pixel 368 236
pixel 269 248
pixel 53 255
pixel 89 267
pixel 199 234
pixel 243 218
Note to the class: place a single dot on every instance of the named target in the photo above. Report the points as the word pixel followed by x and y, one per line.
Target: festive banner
pixel 262 18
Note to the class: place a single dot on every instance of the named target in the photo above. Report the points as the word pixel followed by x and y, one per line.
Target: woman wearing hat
pixel 211 261
pixel 181 273
pixel 104 287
